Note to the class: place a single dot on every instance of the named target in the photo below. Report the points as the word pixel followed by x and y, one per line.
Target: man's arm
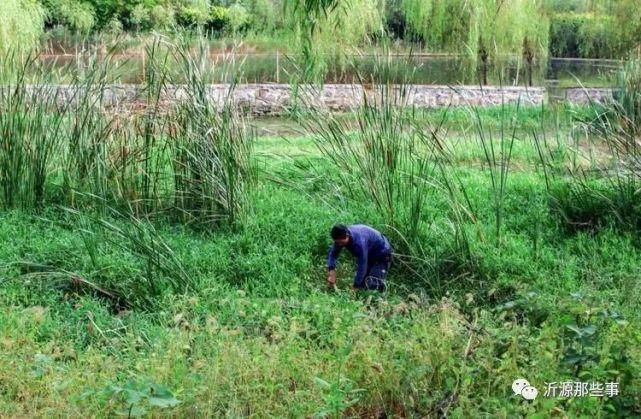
pixel 334 251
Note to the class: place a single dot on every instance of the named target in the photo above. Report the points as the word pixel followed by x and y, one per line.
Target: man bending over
pixel 371 250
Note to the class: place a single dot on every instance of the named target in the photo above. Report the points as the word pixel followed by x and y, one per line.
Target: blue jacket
pixel 367 245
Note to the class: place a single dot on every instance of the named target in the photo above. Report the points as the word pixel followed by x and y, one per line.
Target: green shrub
pixel 193 14
pixel 218 19
pixel 395 20
pixel 106 11
pixel 77 16
pixel 238 17
pixel 162 17
pixel 140 17
pixel 265 15
pixel 583 36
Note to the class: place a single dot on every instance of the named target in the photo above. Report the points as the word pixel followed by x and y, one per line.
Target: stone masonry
pixel 277 99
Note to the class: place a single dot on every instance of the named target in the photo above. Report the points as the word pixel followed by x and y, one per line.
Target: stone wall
pixel 275 99
pixel 583 96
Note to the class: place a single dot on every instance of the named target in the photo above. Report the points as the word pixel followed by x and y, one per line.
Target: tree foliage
pixel 141 15
pixel 79 17
pixel 480 29
pixel 326 29
pixel 491 27
pixel 594 29
pixel 21 24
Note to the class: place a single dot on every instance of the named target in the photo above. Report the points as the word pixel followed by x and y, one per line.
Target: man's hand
pixel 331 279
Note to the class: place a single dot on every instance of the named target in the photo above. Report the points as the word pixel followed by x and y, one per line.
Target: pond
pixel 423 69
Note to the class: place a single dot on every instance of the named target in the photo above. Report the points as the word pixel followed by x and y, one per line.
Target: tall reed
pixel 191 157
pixel 605 189
pixel 390 158
pixel 210 145
pixel 498 157
pixel 31 133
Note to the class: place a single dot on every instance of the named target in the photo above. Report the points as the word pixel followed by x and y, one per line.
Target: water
pixel 448 70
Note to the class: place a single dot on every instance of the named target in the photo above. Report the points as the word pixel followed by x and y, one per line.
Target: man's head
pixel 340 234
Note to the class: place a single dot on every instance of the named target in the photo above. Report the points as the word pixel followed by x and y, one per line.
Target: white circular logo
pixel 529 393
pixel 519 384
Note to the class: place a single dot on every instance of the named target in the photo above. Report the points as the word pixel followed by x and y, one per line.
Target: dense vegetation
pixel 20 24
pixel 578 28
pixel 595 29
pixel 167 260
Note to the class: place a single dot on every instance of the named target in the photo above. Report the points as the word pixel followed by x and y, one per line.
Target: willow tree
pixel 481 30
pixel 418 14
pixel 508 27
pixel 21 24
pixel 440 25
pixel 327 29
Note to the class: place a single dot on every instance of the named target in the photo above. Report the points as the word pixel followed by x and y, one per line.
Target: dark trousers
pixel 376 273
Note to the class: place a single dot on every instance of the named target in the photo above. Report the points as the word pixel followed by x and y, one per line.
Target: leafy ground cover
pixel 252 331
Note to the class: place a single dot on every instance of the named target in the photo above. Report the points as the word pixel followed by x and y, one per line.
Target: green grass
pixel 256 334
pixel 170 262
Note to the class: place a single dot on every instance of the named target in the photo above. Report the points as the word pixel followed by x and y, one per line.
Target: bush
pixel 583 36
pixel 114 26
pixel 238 17
pixel 162 17
pixel 263 15
pixel 140 17
pixel 195 14
pixel 106 11
pixel 79 17
pixel 218 19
